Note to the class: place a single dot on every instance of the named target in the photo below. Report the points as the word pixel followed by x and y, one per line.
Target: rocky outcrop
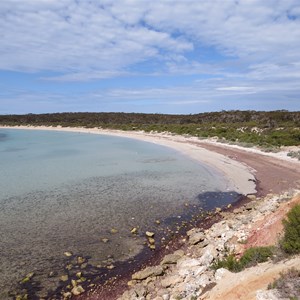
pixel 188 274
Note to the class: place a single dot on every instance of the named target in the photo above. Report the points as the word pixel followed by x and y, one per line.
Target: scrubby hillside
pixel 274 128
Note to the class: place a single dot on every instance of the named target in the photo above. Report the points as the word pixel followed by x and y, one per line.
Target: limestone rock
pixel 148 272
pixel 134 230
pixel 221 273
pixel 140 291
pixel 268 295
pixel 170 259
pixel 64 278
pixel 170 281
pixel 196 238
pixel 77 290
pixel 67 295
pixel 186 263
pixel 150 234
pixel 207 258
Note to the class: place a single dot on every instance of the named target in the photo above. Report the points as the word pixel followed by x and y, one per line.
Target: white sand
pixel 239 176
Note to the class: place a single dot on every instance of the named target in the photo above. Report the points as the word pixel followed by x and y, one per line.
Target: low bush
pixel 251 257
pixel 294 154
pixel 288 284
pixel 291 239
pixel 229 262
pixel 255 255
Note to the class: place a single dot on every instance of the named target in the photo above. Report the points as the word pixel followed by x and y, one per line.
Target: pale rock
pixel 185 263
pixel 67 295
pixel 148 272
pixel 220 247
pixel 166 297
pixel 140 291
pixel 77 290
pixel 150 234
pixel 268 295
pixel 179 252
pixel 221 273
pixel 207 258
pixel 196 271
pixel 130 295
pixel 196 237
pixel 164 293
pixel 170 259
pixel 170 281
pixel 192 231
pixel 203 280
pixel 251 197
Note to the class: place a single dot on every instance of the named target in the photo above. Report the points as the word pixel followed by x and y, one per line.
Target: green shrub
pixel 229 262
pixel 251 257
pixel 291 240
pixel 255 255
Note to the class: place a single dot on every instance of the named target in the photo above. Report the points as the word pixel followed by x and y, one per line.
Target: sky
pixel 175 57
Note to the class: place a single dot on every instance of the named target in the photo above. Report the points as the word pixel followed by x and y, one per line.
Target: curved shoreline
pixel 272 174
pixel 240 177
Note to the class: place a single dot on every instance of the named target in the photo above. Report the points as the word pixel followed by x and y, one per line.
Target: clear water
pixel 65 192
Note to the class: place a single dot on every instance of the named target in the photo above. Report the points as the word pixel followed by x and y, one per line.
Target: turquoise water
pixel 63 191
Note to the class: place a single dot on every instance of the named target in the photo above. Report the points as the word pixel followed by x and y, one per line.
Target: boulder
pixel 196 238
pixel 148 272
pixel 170 259
pixel 171 281
pixel 77 290
pixel 186 263
pixel 221 273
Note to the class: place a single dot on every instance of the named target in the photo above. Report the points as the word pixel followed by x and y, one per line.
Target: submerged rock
pixel 64 278
pixel 67 295
pixel 151 241
pixel 28 277
pixel 134 230
pixel 80 260
pixel 149 234
pixel 77 290
pixel 152 246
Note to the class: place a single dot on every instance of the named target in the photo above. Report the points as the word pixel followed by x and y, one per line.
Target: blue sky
pixel 165 56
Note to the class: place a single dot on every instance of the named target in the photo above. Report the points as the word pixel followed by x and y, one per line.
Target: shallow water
pixel 66 191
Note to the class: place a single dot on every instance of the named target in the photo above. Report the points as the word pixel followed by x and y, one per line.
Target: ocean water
pixel 64 191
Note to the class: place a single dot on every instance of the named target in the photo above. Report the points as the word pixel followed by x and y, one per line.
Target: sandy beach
pixel 241 166
pixel 248 171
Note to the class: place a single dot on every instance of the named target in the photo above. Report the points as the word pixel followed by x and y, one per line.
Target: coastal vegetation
pixel 288 284
pixel 251 257
pixel 289 244
pixel 266 129
pixel 291 240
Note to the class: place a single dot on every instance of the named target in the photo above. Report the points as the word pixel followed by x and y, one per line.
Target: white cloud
pixel 228 48
pixel 88 36
pixel 236 88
